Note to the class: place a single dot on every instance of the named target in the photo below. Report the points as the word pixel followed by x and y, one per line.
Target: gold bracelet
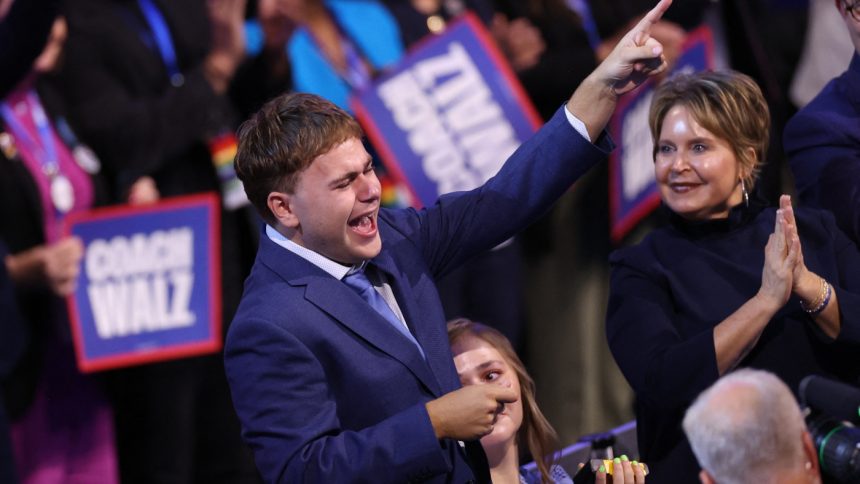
pixel 821 301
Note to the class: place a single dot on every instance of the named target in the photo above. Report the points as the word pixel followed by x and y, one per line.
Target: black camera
pixel 833 410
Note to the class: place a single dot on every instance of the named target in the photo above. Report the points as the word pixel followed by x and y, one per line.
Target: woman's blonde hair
pixel 728 104
pixel 535 433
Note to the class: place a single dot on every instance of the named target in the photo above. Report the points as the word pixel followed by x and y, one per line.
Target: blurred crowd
pixel 130 101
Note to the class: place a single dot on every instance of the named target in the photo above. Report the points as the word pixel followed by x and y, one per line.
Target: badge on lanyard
pixel 62 193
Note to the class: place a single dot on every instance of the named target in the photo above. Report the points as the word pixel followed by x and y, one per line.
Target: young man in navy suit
pixel 336 380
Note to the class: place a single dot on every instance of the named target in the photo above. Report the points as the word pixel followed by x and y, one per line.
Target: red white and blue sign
pixel 633 192
pixel 449 114
pixel 149 288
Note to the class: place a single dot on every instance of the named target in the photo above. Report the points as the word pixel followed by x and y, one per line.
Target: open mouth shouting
pixel 364 225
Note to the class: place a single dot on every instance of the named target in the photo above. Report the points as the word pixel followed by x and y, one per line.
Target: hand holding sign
pixel 55 266
pixel 636 57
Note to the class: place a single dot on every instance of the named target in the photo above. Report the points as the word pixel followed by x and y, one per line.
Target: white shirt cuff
pixel 578 125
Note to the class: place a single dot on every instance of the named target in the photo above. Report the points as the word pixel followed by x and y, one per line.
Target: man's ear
pixel 706 478
pixel 279 205
pixel 809 454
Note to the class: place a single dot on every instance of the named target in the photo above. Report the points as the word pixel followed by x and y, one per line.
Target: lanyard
pixel 161 35
pixel 60 190
pixel 357 74
pixel 582 9
pixel 48 147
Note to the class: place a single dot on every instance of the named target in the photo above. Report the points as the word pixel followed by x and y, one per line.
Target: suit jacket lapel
pixel 433 340
pixel 348 308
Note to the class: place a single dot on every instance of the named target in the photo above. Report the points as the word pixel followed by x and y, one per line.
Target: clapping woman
pixel 730 283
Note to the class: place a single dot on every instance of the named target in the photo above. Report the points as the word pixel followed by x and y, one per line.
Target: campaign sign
pixel 633 192
pixel 149 288
pixel 449 114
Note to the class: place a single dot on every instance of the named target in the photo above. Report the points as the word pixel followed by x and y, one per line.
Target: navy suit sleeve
pixel 290 418
pixel 825 158
pixel 665 370
pixel 461 225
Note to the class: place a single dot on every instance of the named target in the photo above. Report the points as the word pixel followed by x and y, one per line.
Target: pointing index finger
pixel 505 395
pixel 643 28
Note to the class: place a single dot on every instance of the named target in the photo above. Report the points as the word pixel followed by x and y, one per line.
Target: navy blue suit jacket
pixel 823 144
pixel 325 388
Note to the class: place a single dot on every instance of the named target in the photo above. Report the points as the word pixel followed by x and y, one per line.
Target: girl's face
pixel 480 363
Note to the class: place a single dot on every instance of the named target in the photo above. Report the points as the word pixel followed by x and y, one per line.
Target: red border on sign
pixel 209 200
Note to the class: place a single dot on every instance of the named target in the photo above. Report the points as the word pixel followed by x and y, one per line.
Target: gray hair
pixel 744 426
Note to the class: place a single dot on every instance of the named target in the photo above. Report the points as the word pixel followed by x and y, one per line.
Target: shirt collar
pixel 336 269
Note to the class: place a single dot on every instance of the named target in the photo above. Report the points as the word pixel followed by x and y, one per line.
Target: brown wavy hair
pixel 535 433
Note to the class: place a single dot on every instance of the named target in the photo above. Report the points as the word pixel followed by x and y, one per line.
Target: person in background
pixel 340 46
pixel 730 283
pixel 823 139
pixel 747 429
pixel 145 81
pixel 266 72
pixel 419 18
pixel 28 25
pixel 482 355
pixel 62 426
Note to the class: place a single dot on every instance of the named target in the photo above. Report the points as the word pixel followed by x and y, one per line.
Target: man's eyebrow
pixel 350 175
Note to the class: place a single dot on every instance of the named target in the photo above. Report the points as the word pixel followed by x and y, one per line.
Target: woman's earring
pixel 745 192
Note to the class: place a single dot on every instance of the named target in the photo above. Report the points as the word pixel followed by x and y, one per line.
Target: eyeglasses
pixel 853 9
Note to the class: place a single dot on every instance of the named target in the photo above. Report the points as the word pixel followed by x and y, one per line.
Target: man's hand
pixel 470 412
pixel 636 57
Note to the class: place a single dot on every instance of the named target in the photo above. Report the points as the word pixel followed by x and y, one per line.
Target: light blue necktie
pixel 359 282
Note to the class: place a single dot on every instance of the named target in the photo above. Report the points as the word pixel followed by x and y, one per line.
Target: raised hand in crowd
pixel 470 412
pixel 55 266
pixel 226 18
pixel 636 57
pixel 143 191
pixel 670 35
pixel 519 39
